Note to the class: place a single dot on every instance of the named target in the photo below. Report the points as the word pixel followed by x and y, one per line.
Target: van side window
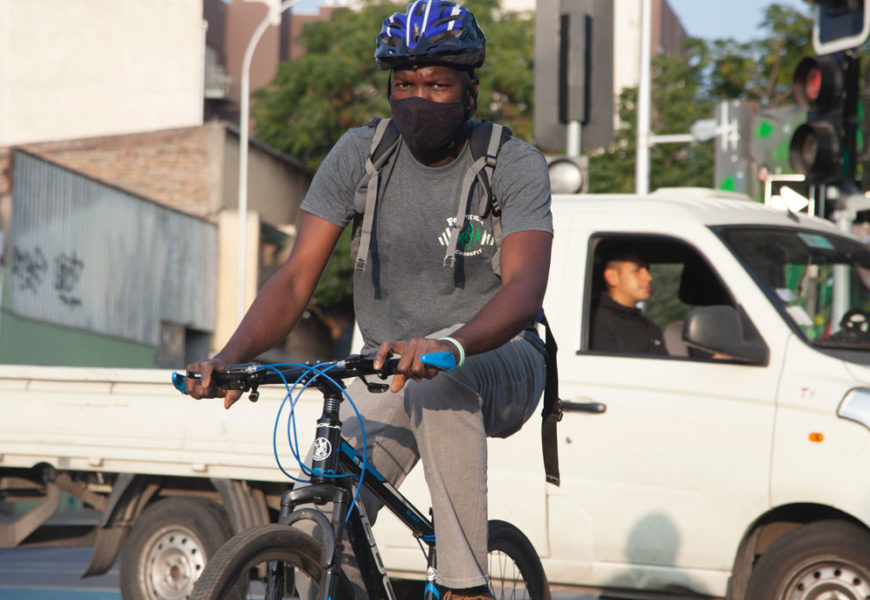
pixel 641 289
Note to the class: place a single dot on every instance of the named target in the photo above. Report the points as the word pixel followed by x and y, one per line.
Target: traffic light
pixel 574 72
pixel 568 174
pixel 793 193
pixel 824 147
pixel 840 25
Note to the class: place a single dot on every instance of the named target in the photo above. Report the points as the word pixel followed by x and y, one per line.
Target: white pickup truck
pixel 735 467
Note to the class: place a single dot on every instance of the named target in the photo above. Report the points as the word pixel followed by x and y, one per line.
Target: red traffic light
pixel 824 148
pixel 817 84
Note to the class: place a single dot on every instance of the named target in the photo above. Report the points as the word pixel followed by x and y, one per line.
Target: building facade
pixel 98 67
pixel 122 250
pixel 117 201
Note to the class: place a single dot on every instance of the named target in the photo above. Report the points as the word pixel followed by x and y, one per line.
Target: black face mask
pixel 429 127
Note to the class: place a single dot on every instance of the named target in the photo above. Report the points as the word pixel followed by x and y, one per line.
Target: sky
pixel 738 19
pixel 708 19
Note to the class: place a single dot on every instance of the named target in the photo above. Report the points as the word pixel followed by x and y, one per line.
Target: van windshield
pixel 819 281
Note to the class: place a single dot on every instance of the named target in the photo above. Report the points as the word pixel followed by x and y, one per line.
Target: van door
pixel 662 484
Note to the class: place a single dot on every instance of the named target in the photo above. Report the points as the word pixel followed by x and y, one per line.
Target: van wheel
pixel 168 548
pixel 825 559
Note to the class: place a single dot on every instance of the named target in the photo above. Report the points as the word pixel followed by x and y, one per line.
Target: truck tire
pixel 168 548
pixel 825 559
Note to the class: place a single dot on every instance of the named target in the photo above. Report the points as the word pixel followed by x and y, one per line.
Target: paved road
pixel 55 574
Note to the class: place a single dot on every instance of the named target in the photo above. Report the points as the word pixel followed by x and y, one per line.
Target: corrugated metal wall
pixel 90 256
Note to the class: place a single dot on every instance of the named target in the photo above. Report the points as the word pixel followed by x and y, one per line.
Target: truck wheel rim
pixel 829 581
pixel 173 561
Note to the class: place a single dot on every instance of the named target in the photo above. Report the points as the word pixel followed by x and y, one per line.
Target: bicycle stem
pixel 327 440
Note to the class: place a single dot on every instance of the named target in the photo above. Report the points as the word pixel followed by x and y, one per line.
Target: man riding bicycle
pixel 411 299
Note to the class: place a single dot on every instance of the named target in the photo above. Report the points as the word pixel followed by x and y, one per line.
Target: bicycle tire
pixel 235 571
pixel 515 570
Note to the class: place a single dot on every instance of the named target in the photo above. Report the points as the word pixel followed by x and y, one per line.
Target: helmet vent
pixel 431 32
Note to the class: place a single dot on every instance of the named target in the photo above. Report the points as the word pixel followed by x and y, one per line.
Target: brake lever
pixel 374 388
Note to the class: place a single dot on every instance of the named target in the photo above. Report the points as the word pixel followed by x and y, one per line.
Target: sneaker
pixel 478 593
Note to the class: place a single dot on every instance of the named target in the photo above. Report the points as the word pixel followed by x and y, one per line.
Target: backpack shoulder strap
pixel 485 141
pixel 552 411
pixel 385 140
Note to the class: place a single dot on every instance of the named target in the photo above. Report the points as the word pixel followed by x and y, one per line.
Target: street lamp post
pixel 273 11
pixel 644 93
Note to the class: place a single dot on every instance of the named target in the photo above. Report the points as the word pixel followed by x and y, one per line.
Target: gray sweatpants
pixel 445 421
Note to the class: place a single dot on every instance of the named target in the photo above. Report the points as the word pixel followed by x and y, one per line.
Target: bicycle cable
pixel 292 434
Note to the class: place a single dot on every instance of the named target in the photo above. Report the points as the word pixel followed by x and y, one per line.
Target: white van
pixel 737 466
pixel 739 477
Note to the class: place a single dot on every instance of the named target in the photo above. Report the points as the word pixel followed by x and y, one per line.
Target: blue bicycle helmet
pixel 431 32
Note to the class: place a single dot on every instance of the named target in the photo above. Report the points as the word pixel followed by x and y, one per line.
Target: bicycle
pixel 270 561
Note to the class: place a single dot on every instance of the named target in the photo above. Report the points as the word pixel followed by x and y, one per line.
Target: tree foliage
pixel 762 69
pixel 336 85
pixel 687 87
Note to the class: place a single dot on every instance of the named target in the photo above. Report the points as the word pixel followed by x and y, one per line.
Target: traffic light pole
pixel 644 94
pixel 573 134
pixel 845 214
pixel 273 10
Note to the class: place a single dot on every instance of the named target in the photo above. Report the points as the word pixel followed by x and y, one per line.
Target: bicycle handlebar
pixel 249 376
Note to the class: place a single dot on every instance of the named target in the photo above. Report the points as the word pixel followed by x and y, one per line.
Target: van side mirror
pixel 725 330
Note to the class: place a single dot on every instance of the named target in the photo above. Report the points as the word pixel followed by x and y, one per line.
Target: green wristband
pixel 458 347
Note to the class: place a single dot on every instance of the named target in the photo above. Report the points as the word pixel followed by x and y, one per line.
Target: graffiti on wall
pixel 67 272
pixel 30 270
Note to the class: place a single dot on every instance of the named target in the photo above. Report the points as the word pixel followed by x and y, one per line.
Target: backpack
pixel 485 141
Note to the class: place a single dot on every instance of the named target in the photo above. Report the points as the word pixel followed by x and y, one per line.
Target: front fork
pixel 322 490
pixel 331 532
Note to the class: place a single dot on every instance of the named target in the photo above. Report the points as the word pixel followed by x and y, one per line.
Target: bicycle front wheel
pixel 515 571
pixel 269 562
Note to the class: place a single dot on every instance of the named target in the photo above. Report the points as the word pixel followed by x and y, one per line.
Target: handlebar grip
pixel 440 360
pixel 178 382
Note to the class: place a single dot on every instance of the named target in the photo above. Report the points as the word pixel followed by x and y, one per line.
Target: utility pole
pixel 644 94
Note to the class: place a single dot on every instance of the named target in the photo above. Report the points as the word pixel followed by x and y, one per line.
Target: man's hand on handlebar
pixel 204 387
pixel 410 365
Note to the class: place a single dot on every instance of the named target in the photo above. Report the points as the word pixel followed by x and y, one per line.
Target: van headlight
pixel 856 406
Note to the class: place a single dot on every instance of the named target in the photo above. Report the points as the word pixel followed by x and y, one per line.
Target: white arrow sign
pixel 789 200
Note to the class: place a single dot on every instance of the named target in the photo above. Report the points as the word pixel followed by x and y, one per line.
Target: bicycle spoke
pixel 506 581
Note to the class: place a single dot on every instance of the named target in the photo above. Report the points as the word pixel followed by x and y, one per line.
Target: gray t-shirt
pixel 405 290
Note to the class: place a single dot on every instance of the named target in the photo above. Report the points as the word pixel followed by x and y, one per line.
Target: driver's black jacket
pixel 624 329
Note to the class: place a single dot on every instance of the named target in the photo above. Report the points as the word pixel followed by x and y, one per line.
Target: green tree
pixel 762 69
pixel 679 101
pixel 686 88
pixel 336 85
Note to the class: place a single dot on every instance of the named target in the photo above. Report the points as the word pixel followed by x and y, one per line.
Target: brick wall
pixel 179 168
